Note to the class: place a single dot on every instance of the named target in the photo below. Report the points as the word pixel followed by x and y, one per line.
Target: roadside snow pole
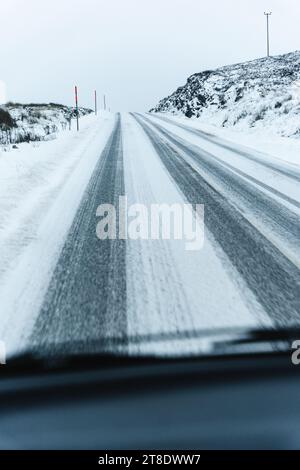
pixel 96 111
pixel 76 105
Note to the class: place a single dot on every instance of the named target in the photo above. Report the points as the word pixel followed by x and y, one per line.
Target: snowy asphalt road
pixel 138 293
pixel 87 294
pixel 269 274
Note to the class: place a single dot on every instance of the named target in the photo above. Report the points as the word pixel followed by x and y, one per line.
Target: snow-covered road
pixel 60 286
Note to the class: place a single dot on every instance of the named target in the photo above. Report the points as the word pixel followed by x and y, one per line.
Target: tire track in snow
pixel 158 309
pixel 86 300
pixel 243 151
pixel 248 177
pixel 267 210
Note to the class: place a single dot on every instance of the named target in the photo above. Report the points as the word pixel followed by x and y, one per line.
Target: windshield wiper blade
pixel 257 341
pixel 268 335
pixel 96 353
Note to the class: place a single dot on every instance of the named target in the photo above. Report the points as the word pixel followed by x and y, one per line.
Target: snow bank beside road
pixel 40 190
pixel 35 122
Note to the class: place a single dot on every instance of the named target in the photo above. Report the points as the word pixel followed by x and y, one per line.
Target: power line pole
pixel 76 106
pixel 267 14
pixel 104 102
pixel 96 110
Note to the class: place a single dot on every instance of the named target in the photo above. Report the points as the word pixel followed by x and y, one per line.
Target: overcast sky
pixel 136 51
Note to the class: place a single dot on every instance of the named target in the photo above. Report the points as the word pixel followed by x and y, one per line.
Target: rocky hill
pixel 263 93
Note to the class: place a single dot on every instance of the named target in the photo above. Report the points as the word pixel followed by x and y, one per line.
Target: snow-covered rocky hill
pixel 34 122
pixel 261 94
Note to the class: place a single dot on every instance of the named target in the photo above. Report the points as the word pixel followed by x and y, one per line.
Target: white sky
pixel 2 92
pixel 136 51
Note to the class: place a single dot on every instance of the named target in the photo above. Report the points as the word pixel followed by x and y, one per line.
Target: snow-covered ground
pixel 261 95
pixel 40 190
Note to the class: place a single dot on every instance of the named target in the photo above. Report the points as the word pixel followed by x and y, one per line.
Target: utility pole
pixel 96 110
pixel 104 102
pixel 267 14
pixel 76 106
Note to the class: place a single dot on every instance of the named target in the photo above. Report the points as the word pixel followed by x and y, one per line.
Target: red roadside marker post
pixel 76 105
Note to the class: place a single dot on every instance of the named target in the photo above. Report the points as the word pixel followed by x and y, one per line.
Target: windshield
pixel 137 217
